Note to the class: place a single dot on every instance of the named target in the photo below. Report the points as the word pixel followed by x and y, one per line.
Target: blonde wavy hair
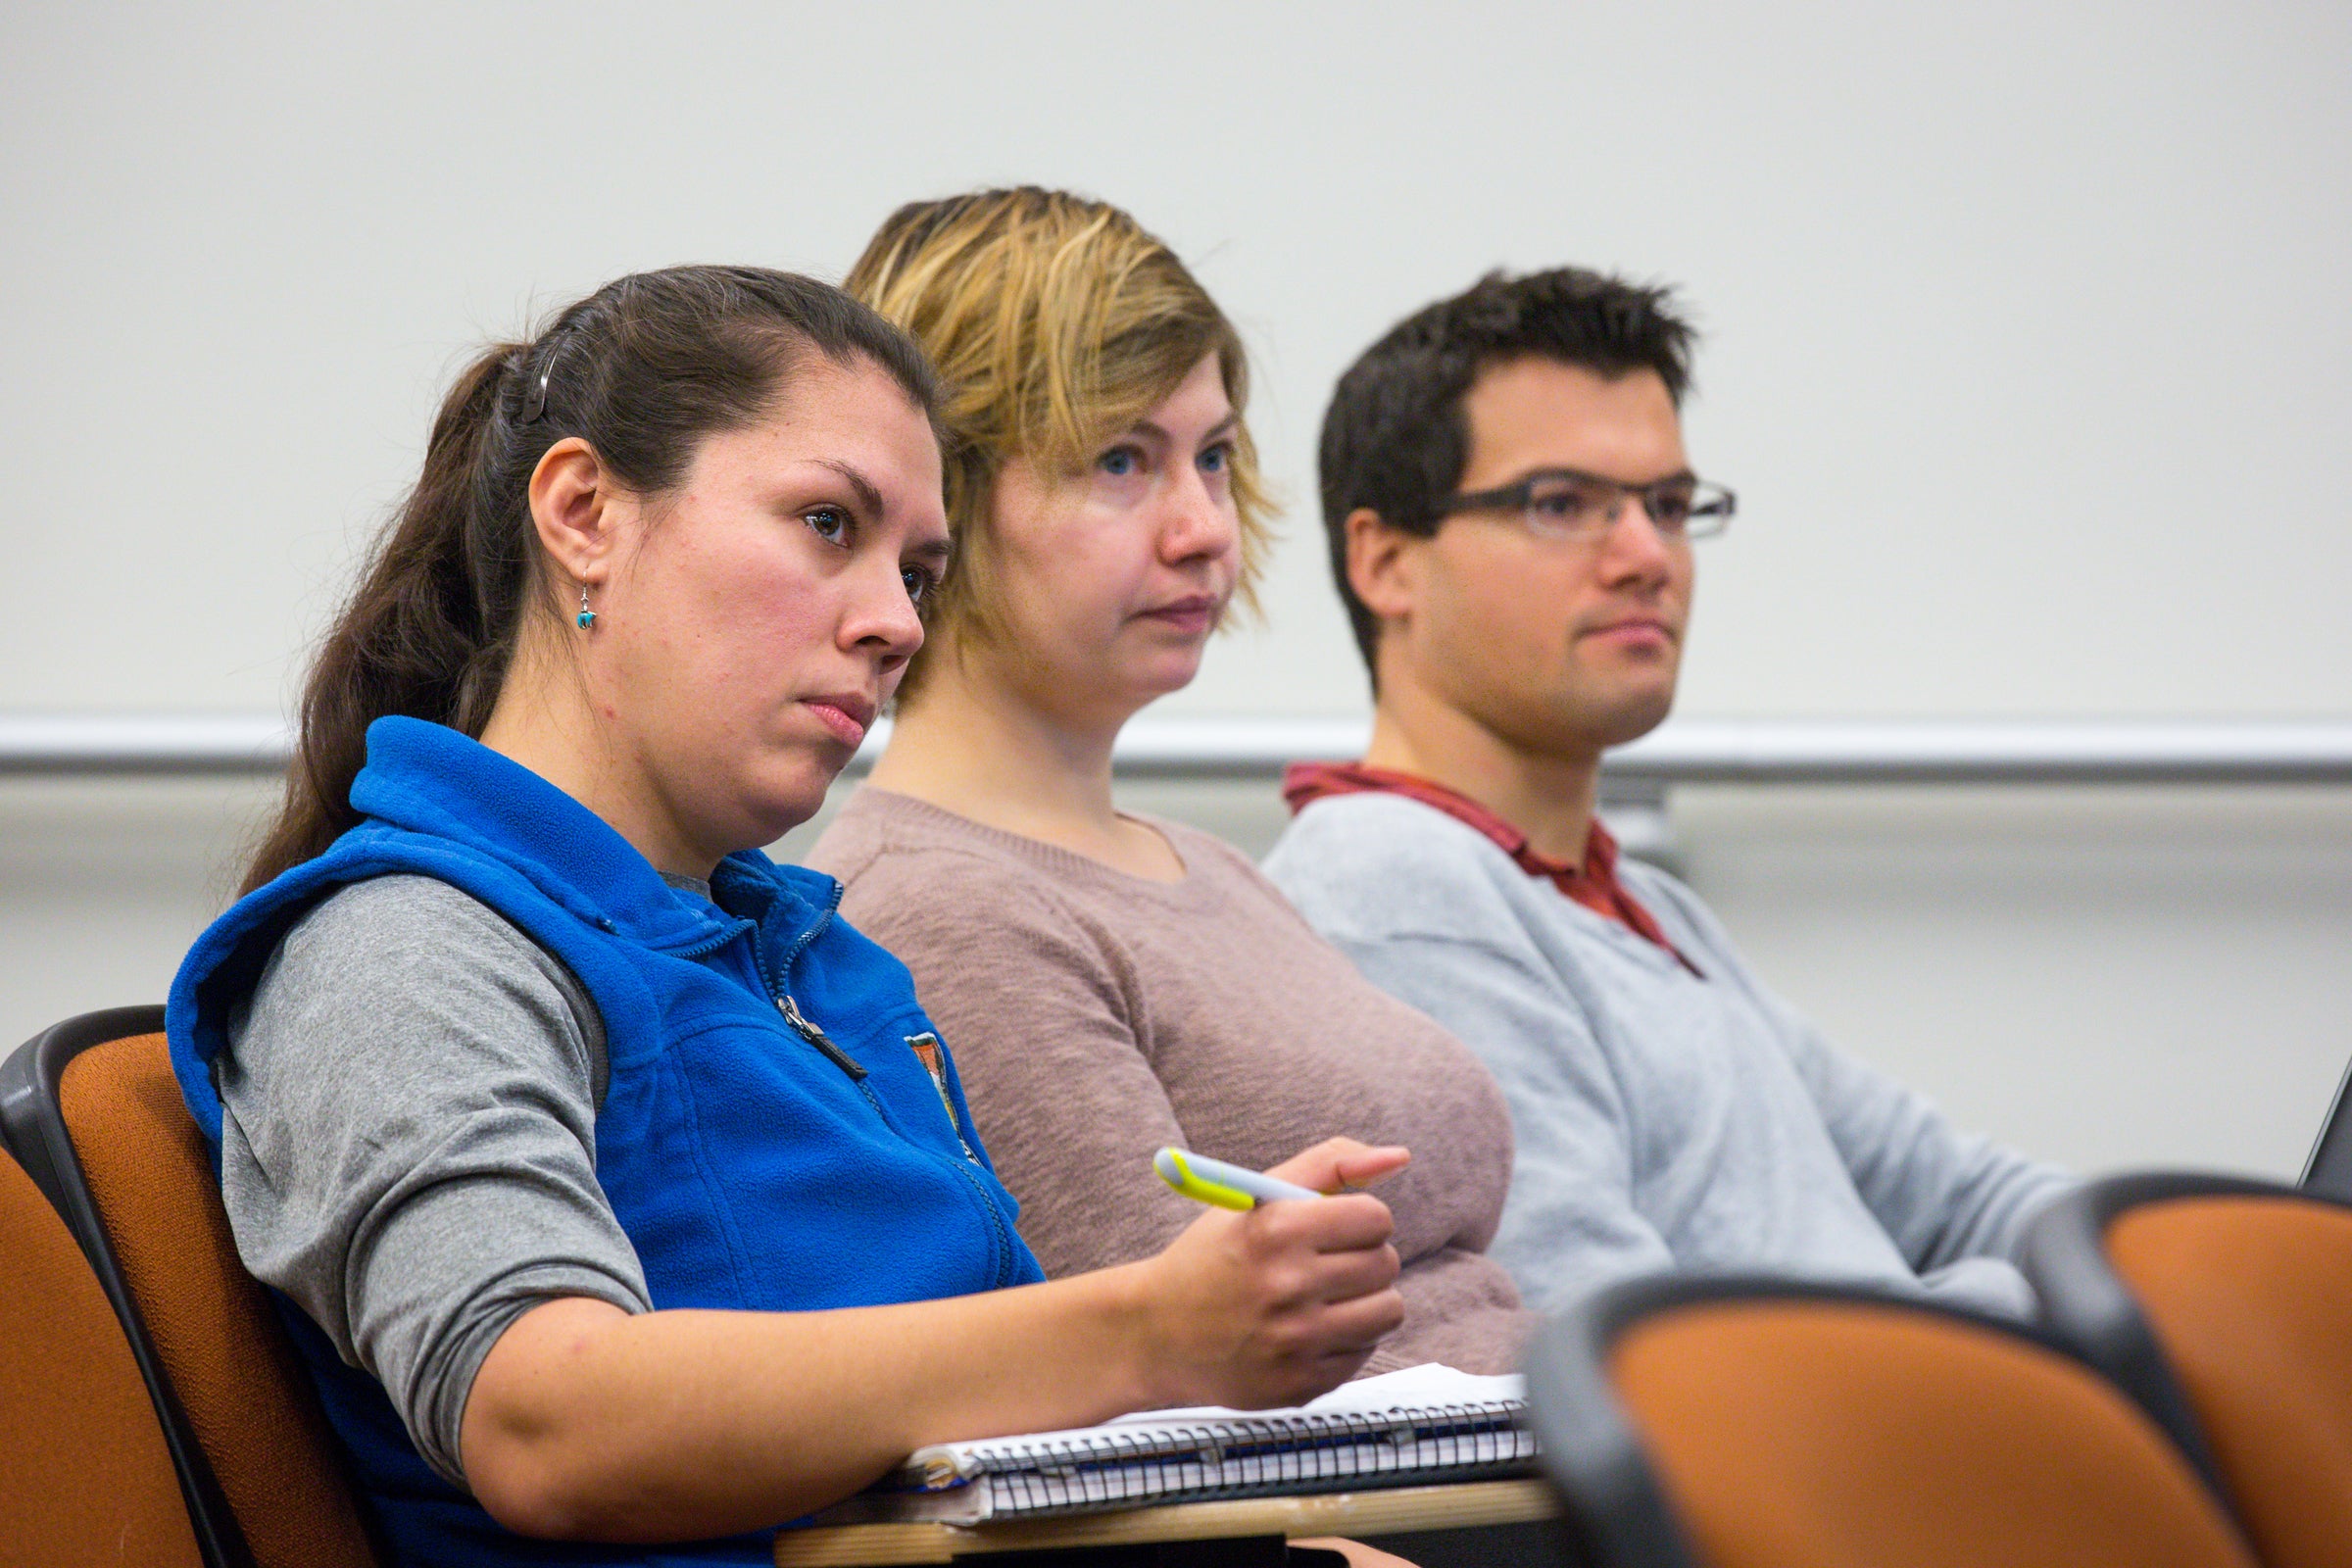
pixel 1057 322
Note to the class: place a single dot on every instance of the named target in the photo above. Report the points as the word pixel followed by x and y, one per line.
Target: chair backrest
pixel 1764 1423
pixel 82 1461
pixel 2241 1292
pixel 263 1469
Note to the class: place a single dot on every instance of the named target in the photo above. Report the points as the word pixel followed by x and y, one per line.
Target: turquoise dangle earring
pixel 587 616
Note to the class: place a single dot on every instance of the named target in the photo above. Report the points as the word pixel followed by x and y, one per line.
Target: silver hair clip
pixel 534 401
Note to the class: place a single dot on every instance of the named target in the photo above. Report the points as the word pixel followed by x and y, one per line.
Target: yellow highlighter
pixel 1222 1186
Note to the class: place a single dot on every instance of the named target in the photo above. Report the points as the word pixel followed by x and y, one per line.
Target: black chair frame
pixel 33 1124
pixel 1615 1513
pixel 2087 1305
pixel 2328 1170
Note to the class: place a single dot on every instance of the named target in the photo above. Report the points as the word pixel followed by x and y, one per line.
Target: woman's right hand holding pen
pixel 1283 1303
pixel 588 1422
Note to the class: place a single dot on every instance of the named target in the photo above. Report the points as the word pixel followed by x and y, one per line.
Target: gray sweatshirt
pixel 1663 1119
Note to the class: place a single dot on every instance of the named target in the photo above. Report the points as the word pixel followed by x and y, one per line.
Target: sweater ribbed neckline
pixel 888 810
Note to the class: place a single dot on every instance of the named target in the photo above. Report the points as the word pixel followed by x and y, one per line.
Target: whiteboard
pixel 2028 340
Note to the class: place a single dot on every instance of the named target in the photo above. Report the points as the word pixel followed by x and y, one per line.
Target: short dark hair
pixel 1395 438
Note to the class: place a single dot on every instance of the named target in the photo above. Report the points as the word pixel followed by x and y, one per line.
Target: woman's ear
pixel 574 509
pixel 1382 565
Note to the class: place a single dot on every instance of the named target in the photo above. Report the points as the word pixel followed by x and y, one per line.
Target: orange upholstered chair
pixel 94 1104
pixel 2226 1305
pixel 82 1461
pixel 1767 1424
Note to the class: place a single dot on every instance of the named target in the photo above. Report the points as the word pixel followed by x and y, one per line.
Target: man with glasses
pixel 1511 518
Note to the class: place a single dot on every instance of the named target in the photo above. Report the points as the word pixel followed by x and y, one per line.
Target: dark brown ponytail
pixel 644 370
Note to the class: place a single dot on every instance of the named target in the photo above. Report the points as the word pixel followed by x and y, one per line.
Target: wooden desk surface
pixel 1332 1513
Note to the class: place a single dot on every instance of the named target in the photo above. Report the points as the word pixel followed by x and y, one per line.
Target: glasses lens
pixel 1564 504
pixel 1710 511
pixel 1669 505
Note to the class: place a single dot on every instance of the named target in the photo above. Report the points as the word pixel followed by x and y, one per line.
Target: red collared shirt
pixel 1592 884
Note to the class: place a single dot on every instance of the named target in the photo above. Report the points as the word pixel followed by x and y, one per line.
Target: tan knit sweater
pixel 1095 1016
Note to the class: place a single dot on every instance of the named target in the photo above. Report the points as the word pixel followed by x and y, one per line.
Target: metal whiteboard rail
pixel 1683 752
pixel 130 745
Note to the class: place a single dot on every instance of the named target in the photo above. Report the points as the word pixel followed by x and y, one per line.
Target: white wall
pixel 2028 350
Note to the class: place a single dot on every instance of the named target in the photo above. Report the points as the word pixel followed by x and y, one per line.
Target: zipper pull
pixel 817 1036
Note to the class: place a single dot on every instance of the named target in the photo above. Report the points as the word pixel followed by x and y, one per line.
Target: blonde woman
pixel 1111 983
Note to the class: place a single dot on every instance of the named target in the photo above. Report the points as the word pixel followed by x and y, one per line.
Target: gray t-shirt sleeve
pixel 409 1139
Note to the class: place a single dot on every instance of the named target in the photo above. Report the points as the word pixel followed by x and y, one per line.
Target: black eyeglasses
pixel 1565 504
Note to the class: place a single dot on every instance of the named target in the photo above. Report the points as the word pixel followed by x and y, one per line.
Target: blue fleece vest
pixel 772 1137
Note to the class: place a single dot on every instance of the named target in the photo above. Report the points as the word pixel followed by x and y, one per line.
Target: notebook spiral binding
pixel 1233 1457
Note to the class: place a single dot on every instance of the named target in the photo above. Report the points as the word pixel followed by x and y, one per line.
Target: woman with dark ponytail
pixel 612 1187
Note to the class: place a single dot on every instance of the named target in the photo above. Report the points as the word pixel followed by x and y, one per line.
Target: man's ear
pixel 1384 564
pixel 574 509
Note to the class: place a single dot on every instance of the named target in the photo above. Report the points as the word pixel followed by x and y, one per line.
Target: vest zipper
pixel 778 976
pixel 711 944
pixel 800 1023
pixel 996 1220
pixel 999 1234
pixel 999 1249
pixel 817 1036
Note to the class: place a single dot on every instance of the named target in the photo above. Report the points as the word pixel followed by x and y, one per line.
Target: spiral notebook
pixel 1420 1426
